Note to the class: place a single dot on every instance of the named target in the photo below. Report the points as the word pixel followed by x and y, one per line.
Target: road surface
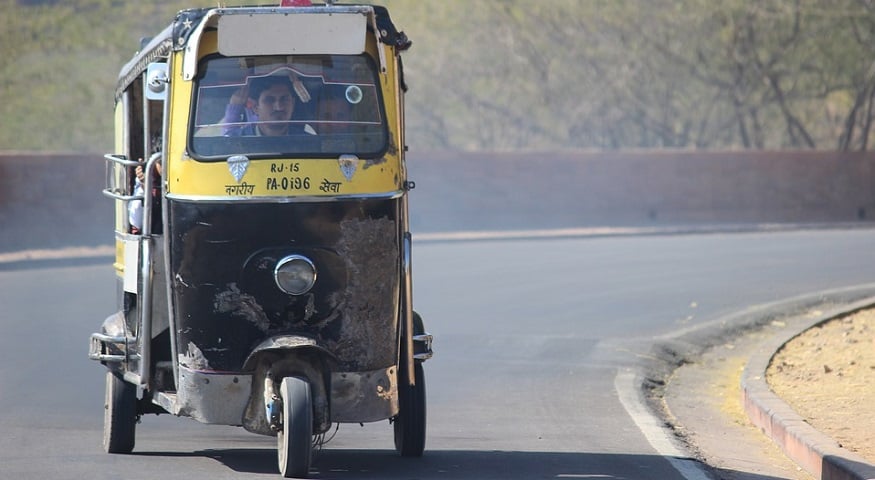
pixel 533 342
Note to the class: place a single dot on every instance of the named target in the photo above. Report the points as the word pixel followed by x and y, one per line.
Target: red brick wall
pixel 51 200
pixel 640 188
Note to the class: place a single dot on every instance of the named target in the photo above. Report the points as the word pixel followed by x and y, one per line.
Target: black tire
pixel 119 415
pixel 295 440
pixel 410 422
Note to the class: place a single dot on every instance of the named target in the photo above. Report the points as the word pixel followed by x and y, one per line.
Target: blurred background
pixel 556 113
pixel 513 74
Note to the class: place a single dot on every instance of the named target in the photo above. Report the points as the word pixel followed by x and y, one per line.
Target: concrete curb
pixel 60 257
pixel 96 251
pixel 812 450
pixel 57 253
pixel 600 232
pixel 688 345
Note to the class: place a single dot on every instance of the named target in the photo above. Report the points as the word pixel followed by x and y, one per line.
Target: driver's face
pixel 275 104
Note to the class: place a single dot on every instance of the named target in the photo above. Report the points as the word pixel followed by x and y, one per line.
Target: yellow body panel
pixel 282 178
pixel 120 206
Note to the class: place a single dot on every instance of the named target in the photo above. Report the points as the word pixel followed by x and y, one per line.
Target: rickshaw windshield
pixel 269 106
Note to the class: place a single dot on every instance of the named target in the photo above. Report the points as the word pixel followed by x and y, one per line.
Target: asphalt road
pixel 531 339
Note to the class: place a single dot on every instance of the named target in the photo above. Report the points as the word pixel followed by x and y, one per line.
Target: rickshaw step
pixel 167 401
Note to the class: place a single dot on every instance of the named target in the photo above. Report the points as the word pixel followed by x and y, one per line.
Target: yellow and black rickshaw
pixel 263 250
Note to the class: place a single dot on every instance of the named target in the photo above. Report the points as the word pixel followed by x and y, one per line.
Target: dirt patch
pixel 827 375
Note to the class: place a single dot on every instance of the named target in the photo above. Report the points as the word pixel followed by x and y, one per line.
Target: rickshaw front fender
pixel 281 343
pixel 283 356
pixel 338 396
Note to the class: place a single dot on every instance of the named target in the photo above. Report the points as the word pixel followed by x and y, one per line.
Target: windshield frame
pixel 306 142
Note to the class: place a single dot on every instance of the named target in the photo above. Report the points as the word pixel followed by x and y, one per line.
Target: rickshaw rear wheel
pixel 409 424
pixel 119 415
pixel 295 439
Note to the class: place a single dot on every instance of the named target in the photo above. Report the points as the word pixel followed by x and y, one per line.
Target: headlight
pixel 295 274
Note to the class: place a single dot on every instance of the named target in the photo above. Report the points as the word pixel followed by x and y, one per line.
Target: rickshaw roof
pixel 175 36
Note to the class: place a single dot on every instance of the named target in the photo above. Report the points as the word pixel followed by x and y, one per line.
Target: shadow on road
pixel 447 464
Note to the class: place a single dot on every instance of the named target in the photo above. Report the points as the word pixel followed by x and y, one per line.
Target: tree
pixel 514 74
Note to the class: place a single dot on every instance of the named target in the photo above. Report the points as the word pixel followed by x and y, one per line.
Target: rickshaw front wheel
pixel 294 440
pixel 409 424
pixel 119 414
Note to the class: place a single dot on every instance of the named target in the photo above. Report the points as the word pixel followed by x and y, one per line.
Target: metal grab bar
pixel 121 160
pixel 143 338
pixel 117 192
pixel 112 190
pixel 144 333
pixel 99 344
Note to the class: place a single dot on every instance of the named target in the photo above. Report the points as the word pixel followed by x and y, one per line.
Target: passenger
pixel 135 207
pixel 334 115
pixel 274 103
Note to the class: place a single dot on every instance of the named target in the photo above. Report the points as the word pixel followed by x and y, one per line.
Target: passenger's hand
pixel 240 96
pixel 141 176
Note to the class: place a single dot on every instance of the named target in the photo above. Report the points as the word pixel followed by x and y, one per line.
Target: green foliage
pixel 513 74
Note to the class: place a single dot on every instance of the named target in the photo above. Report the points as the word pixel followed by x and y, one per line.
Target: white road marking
pixel 626 383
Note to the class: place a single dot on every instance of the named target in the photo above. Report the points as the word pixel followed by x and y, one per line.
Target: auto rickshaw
pixel 264 270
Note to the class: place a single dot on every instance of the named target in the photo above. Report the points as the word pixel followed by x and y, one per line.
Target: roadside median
pixel 816 452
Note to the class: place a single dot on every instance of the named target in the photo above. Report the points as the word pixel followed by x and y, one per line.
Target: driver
pixel 274 104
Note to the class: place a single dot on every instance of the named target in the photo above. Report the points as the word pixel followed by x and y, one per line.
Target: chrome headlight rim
pixel 303 268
